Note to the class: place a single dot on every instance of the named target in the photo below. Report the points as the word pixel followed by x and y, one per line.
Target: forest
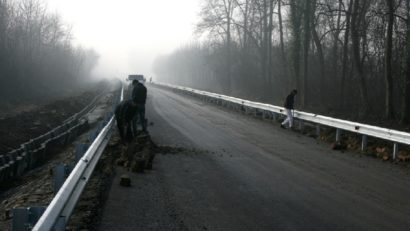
pixel 37 57
pixel 345 57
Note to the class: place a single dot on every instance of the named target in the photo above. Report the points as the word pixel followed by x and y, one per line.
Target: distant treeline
pixel 37 57
pixel 346 57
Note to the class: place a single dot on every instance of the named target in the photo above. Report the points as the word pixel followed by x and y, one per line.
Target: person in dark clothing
pixel 124 113
pixel 139 97
pixel 289 104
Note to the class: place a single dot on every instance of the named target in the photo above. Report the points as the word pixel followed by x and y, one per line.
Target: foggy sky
pixel 128 34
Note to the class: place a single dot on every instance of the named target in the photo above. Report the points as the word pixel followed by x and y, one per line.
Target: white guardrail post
pixel 61 207
pixel 341 125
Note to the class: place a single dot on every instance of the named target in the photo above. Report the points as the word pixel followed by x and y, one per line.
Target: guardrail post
pixel 364 142
pixel 300 125
pixel 338 134
pixel 274 116
pixel 60 224
pixel 92 135
pixel 61 172
pixel 25 218
pixel 318 130
pixel 395 150
pixel 80 149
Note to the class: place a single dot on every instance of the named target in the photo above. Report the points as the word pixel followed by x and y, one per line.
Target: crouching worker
pixel 124 112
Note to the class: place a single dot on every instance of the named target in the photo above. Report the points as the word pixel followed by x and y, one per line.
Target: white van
pixel 140 78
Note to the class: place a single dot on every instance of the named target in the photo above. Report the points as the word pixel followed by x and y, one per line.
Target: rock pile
pixel 138 155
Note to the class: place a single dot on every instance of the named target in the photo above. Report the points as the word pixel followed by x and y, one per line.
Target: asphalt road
pixel 235 172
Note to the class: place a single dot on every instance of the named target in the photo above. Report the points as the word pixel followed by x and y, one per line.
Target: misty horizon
pixel 128 35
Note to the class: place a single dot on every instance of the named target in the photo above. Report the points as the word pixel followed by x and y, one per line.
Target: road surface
pixel 235 172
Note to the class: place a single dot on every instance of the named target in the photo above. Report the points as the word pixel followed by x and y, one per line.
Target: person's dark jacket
pixel 290 99
pixel 124 112
pixel 139 94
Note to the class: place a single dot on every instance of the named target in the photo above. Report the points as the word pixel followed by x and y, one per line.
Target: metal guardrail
pixel 17 161
pixel 61 207
pixel 341 125
pixel 85 110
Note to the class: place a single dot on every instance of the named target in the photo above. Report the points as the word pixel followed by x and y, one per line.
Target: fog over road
pixel 241 173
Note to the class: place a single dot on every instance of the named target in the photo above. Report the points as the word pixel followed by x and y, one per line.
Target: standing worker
pixel 139 96
pixel 289 102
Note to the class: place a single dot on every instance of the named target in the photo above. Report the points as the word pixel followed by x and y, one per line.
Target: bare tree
pixel 217 17
pixel 405 112
pixel 306 45
pixel 319 50
pixel 282 44
pixel 296 20
pixel 359 32
pixel 345 54
pixel 388 60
